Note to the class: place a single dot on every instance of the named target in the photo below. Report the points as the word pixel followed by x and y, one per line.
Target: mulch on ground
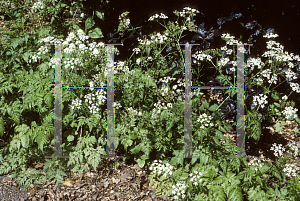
pixel 125 182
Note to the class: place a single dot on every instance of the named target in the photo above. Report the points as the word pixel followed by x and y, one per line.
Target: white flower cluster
pixel 196 177
pixel 295 87
pixel 72 37
pixel 204 119
pixel 261 100
pixel 290 112
pixel 69 63
pixel 166 79
pixel 136 50
pixel 159 168
pixel 223 62
pixel 91 86
pixel 254 62
pixel 179 190
pixel 234 64
pixel 255 162
pixel 159 106
pixel 201 56
pixel 44 49
pixel 117 105
pixel 34 58
pixel 138 61
pixel 294 147
pixel 156 16
pixel 39 5
pixel 228 51
pixel 98 80
pixel 158 38
pixel 187 11
pixel 124 23
pixel 231 40
pixel 278 150
pixel 284 97
pixel 123 66
pixel 270 35
pixel 290 74
pixel 98 99
pixel 242 49
pixel 165 90
pixel 267 73
pixel 178 91
pixel 290 170
pixel 93 47
pixel 76 103
pixel 155 38
pixel 133 111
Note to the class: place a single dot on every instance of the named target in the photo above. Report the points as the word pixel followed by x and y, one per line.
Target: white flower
pixel 39 5
pixel 270 35
pixel 91 86
pixel 95 52
pixel 290 112
pixel 82 15
pixel 277 149
pixel 290 170
pixel 138 61
pixel 224 48
pixel 294 147
pixel 261 100
pixel 284 97
pixel 136 50
pixel 156 16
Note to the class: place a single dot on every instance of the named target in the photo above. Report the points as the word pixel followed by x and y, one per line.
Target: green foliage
pixel 27 112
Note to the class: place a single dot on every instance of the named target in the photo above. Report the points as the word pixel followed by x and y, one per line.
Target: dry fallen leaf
pixel 39 165
pixel 69 182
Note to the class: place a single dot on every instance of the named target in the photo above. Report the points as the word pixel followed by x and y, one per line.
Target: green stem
pixel 222 103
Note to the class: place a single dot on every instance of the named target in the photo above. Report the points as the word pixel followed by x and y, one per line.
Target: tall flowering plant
pixel 150 118
pixel 265 75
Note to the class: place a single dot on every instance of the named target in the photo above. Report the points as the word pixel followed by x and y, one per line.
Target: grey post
pixel 240 103
pixel 58 104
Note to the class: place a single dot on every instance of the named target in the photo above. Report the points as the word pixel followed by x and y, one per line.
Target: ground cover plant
pixel 149 118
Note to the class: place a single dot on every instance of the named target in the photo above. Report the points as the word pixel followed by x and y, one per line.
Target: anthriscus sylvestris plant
pixel 221 179
pixel 149 119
